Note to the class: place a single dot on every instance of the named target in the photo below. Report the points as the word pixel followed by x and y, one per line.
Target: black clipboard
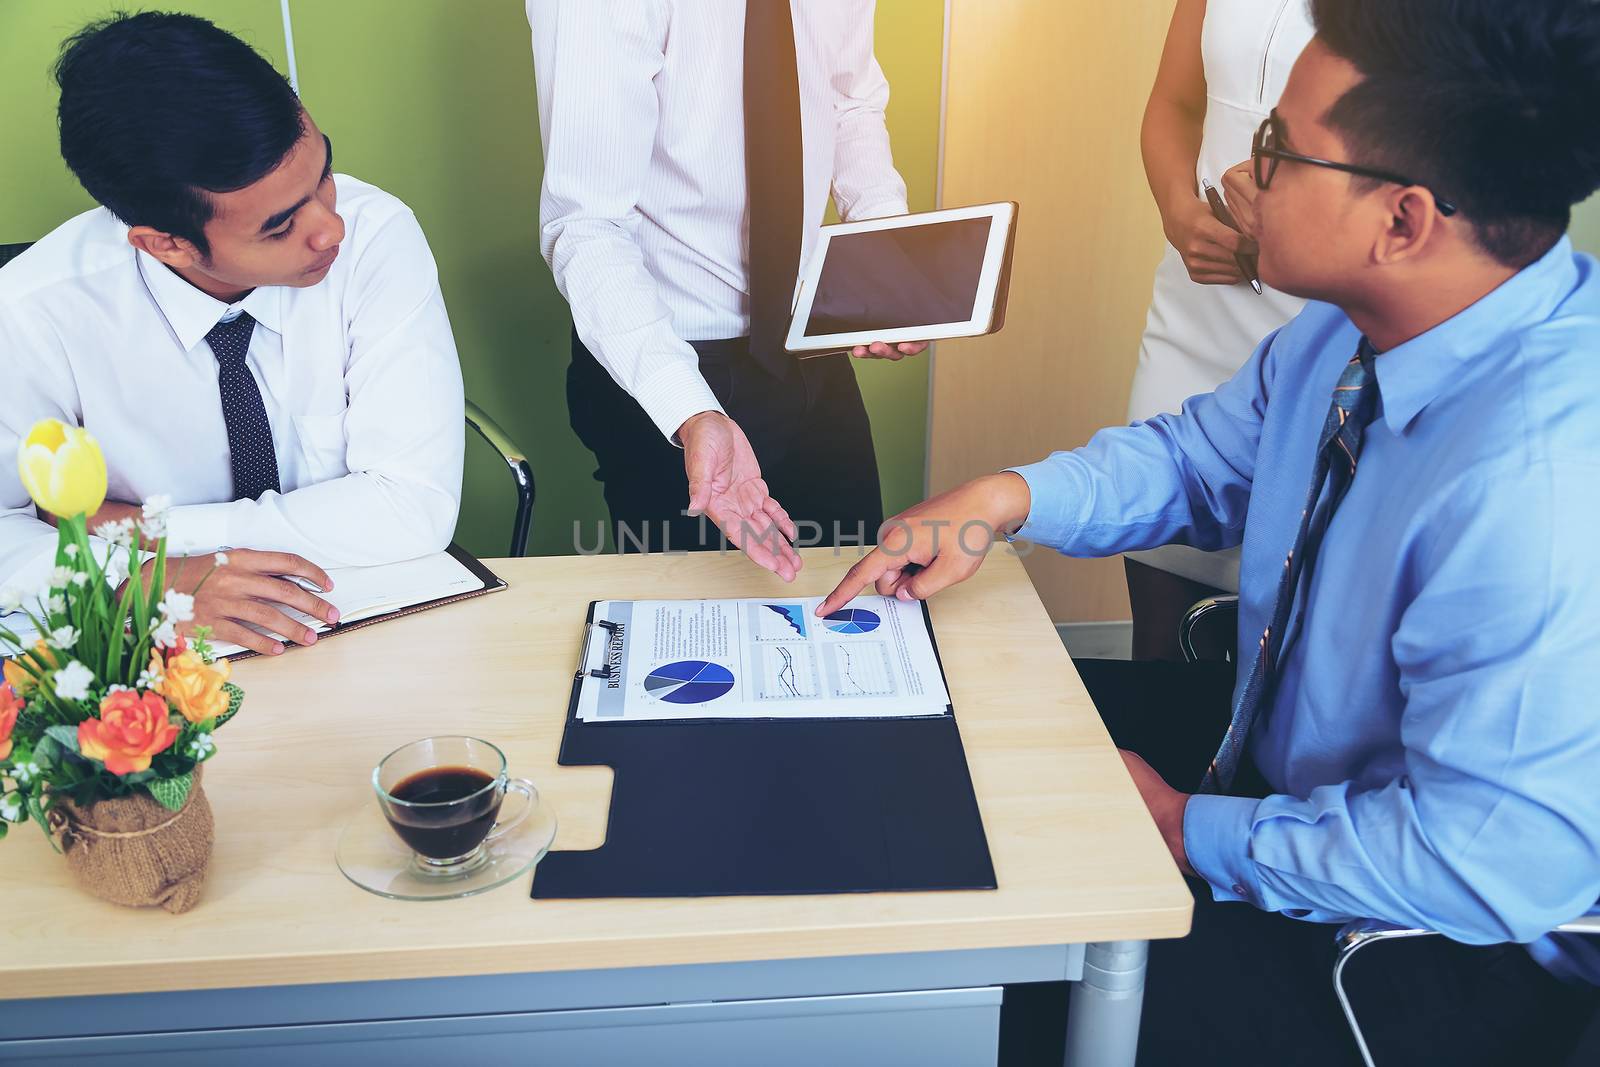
pixel 757 807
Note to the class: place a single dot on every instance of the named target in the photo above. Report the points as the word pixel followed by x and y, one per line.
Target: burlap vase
pixel 130 850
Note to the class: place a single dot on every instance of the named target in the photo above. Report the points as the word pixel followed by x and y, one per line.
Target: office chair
pixel 477 418
pixel 1209 631
pixel 521 473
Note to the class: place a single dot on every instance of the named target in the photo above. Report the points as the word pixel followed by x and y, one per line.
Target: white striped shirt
pixel 643 213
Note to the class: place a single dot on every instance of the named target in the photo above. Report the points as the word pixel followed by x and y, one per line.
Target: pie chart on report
pixel 691 681
pixel 852 621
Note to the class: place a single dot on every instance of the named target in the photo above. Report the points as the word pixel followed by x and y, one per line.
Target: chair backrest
pixel 1209 630
pixel 10 252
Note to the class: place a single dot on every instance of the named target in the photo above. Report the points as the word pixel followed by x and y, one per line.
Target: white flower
pixel 11 807
pixel 149 679
pixel 202 746
pixel 222 559
pixel 61 577
pixel 79 578
pixel 10 600
pixel 165 635
pixel 116 570
pixel 71 551
pixel 119 533
pixel 63 637
pixel 177 607
pixel 73 681
pixel 56 605
pixel 24 773
pixel 154 525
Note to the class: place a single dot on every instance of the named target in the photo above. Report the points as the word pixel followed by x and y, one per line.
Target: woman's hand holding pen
pixel 1207 246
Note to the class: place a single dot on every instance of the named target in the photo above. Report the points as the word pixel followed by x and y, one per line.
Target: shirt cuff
pixel 673 395
pixel 878 208
pixel 1043 525
pixel 1216 839
pixel 198 529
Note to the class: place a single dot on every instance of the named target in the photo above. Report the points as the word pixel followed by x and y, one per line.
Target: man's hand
pixel 253 587
pixel 893 353
pixel 1239 187
pixel 1166 806
pixel 725 485
pixel 947 538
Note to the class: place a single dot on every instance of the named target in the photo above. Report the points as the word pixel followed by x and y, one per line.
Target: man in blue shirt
pixel 1413 469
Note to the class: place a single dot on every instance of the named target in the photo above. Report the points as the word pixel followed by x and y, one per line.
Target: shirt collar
pixel 1412 375
pixel 191 313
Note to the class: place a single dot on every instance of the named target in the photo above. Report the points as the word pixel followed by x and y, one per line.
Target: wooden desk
pixel 1078 860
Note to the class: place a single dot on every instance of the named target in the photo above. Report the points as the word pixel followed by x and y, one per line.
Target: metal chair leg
pixel 1352 939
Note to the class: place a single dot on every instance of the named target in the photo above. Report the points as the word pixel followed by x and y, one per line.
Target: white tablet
pixel 915 277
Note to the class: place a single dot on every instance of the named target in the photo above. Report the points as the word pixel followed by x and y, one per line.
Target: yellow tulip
pixel 62 469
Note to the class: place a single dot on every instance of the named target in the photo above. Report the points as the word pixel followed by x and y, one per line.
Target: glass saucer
pixel 372 857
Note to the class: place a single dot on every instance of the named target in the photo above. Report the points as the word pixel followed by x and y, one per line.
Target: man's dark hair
pixel 159 109
pixel 1494 104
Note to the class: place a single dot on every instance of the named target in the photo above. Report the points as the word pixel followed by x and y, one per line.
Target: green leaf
pixel 235 698
pixel 171 793
pixel 36 810
pixel 47 751
pixel 3 830
pixel 65 736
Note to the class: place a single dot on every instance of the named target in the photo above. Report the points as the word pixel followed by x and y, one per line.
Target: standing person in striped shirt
pixel 691 147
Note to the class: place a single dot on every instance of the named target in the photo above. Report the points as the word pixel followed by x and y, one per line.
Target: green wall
pixel 434 101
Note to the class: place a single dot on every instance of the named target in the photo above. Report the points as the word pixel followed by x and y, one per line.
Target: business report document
pixel 759 659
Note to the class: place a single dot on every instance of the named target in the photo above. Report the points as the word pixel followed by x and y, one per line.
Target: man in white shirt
pixel 243 330
pixel 690 150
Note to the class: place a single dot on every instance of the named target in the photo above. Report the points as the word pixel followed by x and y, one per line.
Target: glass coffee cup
pixel 443 796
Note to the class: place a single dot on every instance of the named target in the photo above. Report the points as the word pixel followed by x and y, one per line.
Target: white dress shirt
pixel 643 214
pixel 358 374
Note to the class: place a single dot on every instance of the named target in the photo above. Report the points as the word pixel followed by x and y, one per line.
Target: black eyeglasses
pixel 1268 152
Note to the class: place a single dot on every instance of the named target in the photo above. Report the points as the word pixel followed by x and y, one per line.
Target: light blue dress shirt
pixel 1434 738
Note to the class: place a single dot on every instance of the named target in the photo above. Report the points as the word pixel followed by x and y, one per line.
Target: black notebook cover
pixel 763 807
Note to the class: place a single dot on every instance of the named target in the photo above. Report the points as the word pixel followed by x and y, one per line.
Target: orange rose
pixel 10 704
pixel 195 686
pixel 41 659
pixel 131 728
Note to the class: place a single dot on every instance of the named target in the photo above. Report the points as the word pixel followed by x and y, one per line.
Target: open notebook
pixel 368 595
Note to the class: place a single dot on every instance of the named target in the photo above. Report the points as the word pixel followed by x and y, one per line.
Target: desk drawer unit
pixel 944 1028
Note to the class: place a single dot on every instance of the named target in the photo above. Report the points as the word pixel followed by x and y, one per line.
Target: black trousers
pixel 1252 987
pixel 809 430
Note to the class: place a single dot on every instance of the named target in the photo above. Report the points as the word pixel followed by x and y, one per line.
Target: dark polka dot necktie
pixel 255 464
pixel 1355 404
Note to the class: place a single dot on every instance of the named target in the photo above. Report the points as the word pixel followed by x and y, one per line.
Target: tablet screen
pixel 899 278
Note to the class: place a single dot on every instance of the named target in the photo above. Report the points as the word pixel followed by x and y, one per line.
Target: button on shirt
pixel 358 375
pixel 643 213
pixel 1434 734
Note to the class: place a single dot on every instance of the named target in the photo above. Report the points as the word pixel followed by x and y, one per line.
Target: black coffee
pixel 452 829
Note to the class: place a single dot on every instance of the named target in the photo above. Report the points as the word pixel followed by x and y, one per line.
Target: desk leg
pixel 1103 1021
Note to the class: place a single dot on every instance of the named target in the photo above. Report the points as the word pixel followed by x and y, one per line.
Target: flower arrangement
pixel 109 702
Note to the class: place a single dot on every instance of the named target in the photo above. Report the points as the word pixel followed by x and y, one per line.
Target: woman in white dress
pixel 1224 66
